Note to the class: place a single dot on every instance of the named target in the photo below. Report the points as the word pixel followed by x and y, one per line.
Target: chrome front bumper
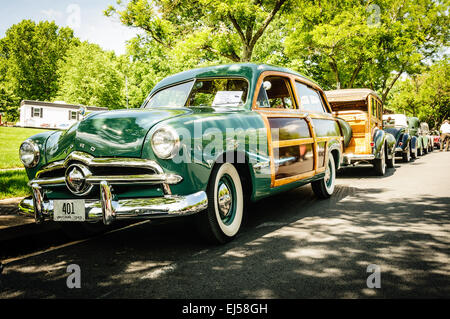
pixel 350 158
pixel 107 209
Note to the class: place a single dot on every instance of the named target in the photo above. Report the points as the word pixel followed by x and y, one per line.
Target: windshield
pixel 174 96
pixel 205 92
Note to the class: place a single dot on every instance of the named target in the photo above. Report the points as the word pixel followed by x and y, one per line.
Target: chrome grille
pixel 115 171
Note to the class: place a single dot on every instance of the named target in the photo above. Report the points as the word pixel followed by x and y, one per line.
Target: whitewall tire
pixel 223 218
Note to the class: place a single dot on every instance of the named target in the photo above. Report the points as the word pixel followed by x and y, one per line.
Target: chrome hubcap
pixel 224 200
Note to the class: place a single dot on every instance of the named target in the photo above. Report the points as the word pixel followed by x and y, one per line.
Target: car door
pixel 291 139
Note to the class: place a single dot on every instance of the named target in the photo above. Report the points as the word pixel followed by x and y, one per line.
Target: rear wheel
pixel 380 164
pixel 324 188
pixel 221 221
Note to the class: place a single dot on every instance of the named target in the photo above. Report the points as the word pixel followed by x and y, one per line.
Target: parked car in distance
pixel 436 139
pixel 205 142
pixel 406 145
pixel 414 129
pixel 362 109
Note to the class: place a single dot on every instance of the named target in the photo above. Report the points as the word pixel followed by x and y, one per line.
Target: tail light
pixel 372 144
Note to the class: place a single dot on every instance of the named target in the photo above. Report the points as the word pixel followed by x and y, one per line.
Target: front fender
pixel 405 141
pixel 420 142
pixel 414 143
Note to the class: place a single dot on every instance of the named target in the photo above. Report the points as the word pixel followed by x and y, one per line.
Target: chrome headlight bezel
pixel 173 138
pixel 35 151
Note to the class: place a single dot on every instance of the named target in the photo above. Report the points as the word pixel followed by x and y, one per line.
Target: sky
pixel 85 17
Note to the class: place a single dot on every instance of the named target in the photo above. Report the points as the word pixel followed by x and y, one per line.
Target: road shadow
pixel 364 170
pixel 292 246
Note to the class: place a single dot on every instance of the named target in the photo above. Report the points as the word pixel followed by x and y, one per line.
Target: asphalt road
pixel 292 246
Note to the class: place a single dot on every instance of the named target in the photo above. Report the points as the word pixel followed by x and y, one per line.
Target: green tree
pixel 426 95
pixel 29 56
pixel 369 44
pixel 208 29
pixel 91 76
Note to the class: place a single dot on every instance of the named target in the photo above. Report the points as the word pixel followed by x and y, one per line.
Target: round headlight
pixel 29 153
pixel 165 143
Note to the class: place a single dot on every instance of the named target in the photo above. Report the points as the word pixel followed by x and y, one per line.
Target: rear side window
pixel 310 99
pixel 275 93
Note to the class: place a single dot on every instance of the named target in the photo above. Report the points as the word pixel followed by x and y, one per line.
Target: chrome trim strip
pixel 116 180
pixel 89 160
pixel 134 208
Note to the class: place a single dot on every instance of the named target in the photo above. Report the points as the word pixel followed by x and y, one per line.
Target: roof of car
pixel 347 95
pixel 247 70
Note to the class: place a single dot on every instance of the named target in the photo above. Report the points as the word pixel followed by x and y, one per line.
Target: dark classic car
pixel 362 109
pixel 406 145
pixel 204 142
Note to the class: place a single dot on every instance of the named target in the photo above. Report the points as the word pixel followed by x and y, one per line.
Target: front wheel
pixel 391 162
pixel 406 156
pixel 324 187
pixel 221 221
pixel 414 153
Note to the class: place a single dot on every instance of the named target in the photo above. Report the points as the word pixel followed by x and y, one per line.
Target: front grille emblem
pixel 76 179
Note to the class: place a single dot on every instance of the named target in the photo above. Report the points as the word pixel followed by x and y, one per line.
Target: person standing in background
pixel 445 135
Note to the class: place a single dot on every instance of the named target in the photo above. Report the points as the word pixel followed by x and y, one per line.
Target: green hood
pixel 109 134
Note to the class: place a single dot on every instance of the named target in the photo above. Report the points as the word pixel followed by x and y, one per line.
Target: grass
pixel 10 140
pixel 14 184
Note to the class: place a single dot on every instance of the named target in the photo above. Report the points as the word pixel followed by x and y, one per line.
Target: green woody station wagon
pixel 205 142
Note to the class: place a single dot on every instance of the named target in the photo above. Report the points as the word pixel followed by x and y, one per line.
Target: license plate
pixel 70 210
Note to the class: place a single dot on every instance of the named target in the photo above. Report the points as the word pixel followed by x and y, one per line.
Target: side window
pixel 310 99
pixel 380 110
pixel 278 93
pixel 374 106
